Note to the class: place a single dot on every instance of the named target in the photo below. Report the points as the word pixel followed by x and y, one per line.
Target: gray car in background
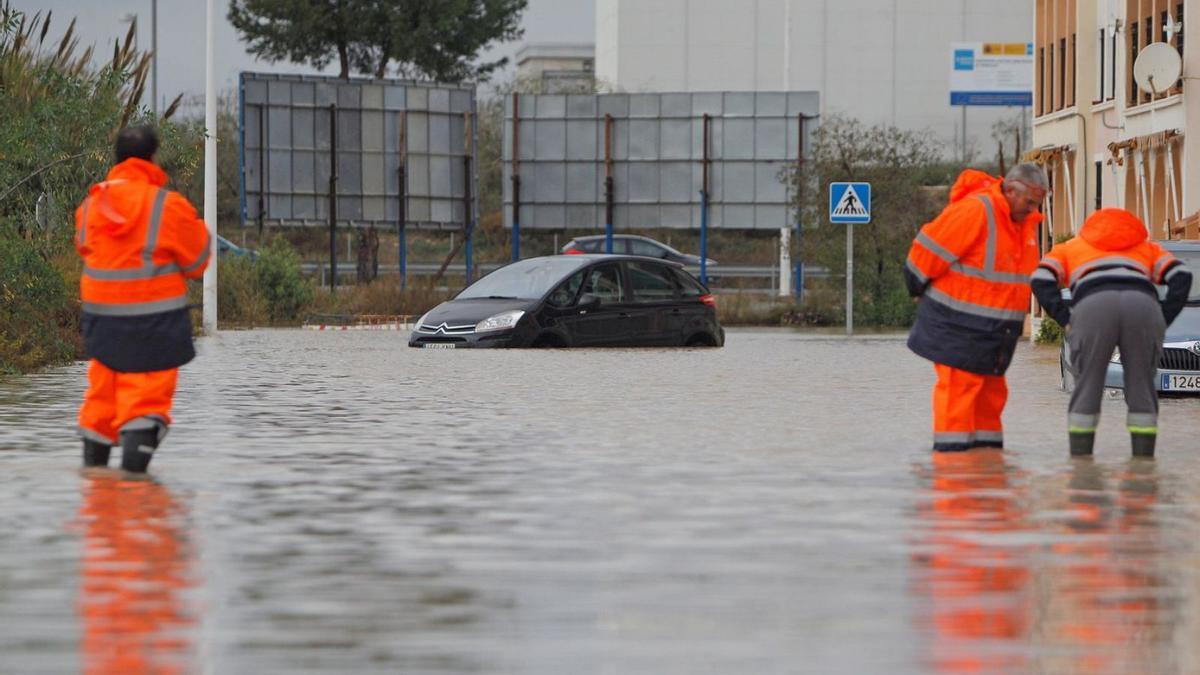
pixel 632 244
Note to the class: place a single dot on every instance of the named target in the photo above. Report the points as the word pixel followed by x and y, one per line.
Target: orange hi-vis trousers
pixel 116 401
pixel 967 409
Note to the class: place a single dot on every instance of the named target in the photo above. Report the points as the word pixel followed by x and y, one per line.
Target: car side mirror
pixel 587 301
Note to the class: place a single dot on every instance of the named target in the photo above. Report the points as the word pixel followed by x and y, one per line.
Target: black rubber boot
pixel 1081 443
pixel 95 453
pixel 1143 444
pixel 137 449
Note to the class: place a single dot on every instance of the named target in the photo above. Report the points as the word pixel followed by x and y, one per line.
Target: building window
pixel 1041 71
pixel 1074 71
pixel 1179 34
pixel 1062 72
pixel 1099 185
pixel 1101 65
pixel 1112 90
pixel 1133 52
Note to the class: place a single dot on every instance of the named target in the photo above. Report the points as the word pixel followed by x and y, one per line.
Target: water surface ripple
pixel 337 502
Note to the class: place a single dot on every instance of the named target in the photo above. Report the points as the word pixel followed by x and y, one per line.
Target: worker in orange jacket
pixel 139 242
pixel 970 268
pixel 1113 271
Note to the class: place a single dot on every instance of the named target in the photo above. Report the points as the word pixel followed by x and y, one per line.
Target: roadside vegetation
pixel 59 114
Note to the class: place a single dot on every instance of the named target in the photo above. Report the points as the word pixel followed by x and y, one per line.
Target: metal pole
pixel 210 169
pixel 468 225
pixel 608 185
pixel 849 279
pixel 799 276
pixel 154 56
pixel 262 165
pixel 333 144
pixel 516 177
pixel 785 261
pixel 402 205
pixel 964 134
pixel 704 205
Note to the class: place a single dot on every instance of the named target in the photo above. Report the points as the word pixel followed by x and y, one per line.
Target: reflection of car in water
pixel 576 301
pixel 134 578
pixel 1179 365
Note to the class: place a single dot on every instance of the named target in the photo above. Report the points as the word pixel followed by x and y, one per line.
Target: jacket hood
pixel 970 182
pixel 117 202
pixel 1113 230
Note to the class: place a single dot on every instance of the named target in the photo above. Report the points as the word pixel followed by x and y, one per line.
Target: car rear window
pixel 652 283
pixel 690 287
pixel 645 248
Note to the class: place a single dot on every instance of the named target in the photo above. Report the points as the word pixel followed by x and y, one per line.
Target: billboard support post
pixel 609 195
pixel 468 225
pixel 402 201
pixel 262 166
pixel 516 177
pixel 704 203
pixel 333 144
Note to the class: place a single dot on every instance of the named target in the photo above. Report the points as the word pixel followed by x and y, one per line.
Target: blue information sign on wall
pixel 849 202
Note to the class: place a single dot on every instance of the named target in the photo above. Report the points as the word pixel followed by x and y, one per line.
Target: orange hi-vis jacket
pixel 1112 250
pixel 970 266
pixel 139 242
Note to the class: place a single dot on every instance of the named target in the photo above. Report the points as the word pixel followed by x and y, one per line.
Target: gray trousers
pixel 1133 321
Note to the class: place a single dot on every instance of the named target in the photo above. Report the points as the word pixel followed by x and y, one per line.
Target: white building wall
pixel 881 61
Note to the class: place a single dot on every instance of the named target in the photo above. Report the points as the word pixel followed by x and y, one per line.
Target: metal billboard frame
pixel 403 154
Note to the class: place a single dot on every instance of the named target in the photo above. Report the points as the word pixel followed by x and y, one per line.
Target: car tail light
pixel 709 299
pixel 573 251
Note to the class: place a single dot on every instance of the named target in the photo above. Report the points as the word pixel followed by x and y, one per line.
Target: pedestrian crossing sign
pixel 849 203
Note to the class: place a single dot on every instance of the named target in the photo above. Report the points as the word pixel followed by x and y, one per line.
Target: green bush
pixel 1049 332
pixel 284 289
pixel 36 313
pixel 239 300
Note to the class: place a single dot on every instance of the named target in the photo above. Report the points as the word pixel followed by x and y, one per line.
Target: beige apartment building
pixel 1104 140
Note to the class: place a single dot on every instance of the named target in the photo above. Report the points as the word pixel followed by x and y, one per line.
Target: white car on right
pixel 1179 365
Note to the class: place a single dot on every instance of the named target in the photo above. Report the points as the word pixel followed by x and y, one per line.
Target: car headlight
pixel 420 321
pixel 1116 355
pixel 501 321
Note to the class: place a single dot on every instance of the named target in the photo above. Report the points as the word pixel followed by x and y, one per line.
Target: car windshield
pixel 526 279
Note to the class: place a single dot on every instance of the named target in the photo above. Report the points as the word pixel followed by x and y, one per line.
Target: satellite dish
pixel 1157 67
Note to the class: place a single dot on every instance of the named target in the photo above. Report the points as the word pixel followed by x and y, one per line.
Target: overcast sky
pixel 181 36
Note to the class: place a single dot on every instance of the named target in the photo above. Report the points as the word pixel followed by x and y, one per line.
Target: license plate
pixel 1181 382
pixel 438 345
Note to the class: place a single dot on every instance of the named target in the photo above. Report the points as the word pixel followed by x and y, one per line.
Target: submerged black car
pixel 576 301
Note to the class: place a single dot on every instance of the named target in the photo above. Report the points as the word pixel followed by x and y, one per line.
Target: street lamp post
pixel 154 57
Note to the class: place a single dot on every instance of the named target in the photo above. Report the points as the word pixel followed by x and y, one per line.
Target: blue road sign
pixel 849 202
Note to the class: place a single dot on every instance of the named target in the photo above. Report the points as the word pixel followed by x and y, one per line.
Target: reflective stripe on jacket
pixel 971 268
pixel 139 242
pixel 1112 250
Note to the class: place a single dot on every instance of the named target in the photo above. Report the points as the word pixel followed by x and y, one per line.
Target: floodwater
pixel 337 502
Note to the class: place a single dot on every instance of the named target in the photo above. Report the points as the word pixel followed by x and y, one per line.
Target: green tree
pixel 893 161
pixel 432 39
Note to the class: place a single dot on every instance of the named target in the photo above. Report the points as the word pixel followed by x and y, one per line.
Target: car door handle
pixel 676 311
pixel 623 315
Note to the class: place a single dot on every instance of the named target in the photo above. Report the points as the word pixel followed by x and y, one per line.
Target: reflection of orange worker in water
pixel 1107 605
pixel 978 584
pixel 135 568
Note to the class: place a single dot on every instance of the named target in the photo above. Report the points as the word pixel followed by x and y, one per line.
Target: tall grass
pixel 58 117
